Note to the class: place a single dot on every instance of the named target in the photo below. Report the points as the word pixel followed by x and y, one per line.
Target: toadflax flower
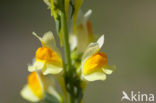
pixel 37 86
pixel 47 58
pixel 94 63
pixel 83 35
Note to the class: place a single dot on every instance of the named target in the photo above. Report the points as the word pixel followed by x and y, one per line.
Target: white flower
pixel 94 63
pixel 47 58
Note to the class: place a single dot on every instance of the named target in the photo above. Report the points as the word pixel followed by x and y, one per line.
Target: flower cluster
pixel 85 62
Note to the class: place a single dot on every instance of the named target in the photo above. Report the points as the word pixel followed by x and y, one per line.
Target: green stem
pixel 64 28
pixel 65 36
pixel 72 99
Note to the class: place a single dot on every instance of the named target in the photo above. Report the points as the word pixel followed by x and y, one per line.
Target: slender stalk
pixel 64 28
pixel 72 99
pixel 65 37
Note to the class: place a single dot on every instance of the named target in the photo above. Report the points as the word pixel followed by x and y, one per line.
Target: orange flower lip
pixel 44 53
pixel 48 55
pixel 95 63
pixel 35 84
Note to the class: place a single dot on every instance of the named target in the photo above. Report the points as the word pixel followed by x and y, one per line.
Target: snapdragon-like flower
pixel 47 58
pixel 81 38
pixel 94 63
pixel 37 86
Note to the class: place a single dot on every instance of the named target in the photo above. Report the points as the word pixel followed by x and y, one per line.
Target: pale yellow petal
pixel 47 40
pixel 27 94
pixel 48 37
pixel 52 69
pixel 31 68
pixel 91 49
pixel 95 76
pixel 37 65
pixel 100 41
pixel 109 69
pixel 36 35
pixel 73 41
pixel 82 38
pixel 87 14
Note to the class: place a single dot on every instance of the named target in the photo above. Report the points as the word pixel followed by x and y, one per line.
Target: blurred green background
pixel 130 43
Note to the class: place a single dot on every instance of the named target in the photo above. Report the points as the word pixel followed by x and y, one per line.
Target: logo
pixel 137 97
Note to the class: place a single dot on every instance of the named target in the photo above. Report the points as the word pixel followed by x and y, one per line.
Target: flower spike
pixel 82 61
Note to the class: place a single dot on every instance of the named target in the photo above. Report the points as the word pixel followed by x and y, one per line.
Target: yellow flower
pixel 47 58
pixel 94 63
pixel 36 87
pixel 44 54
pixel 83 35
